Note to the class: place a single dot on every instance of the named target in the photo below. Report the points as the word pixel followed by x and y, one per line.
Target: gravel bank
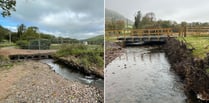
pixel 42 85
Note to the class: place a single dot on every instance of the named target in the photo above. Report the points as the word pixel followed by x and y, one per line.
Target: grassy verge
pixel 200 43
pixel 6 45
pixel 86 55
pixel 5 63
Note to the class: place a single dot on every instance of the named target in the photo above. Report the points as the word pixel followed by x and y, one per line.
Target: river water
pixel 142 76
pixel 74 75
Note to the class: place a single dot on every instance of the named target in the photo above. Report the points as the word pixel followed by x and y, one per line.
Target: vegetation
pixel 4 61
pixel 97 40
pixel 26 35
pixel 86 55
pixel 7 6
pixel 201 45
pixel 6 44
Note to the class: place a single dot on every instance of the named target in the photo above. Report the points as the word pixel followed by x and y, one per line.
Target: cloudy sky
pixel 176 10
pixel 68 18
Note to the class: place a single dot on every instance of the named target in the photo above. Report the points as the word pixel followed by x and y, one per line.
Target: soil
pixel 13 51
pixel 112 50
pixel 71 62
pixel 191 70
pixel 32 82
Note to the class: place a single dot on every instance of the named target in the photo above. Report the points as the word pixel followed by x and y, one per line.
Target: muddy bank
pixel 112 50
pixel 32 81
pixel 191 70
pixel 71 62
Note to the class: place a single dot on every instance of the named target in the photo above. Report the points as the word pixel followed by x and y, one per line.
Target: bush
pixel 44 44
pixel 23 44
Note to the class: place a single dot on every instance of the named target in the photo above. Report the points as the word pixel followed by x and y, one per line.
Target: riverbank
pixel 32 81
pixel 112 50
pixel 71 61
pixel 193 71
pixel 85 58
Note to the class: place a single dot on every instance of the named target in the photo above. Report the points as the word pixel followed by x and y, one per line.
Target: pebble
pixel 40 87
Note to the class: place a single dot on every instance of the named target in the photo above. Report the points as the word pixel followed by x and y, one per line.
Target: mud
pixel 112 50
pixel 71 62
pixel 191 70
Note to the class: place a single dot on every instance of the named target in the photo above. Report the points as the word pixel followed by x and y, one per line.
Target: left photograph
pixel 51 51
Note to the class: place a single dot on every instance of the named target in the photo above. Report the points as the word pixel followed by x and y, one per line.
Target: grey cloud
pixel 69 17
pixel 177 10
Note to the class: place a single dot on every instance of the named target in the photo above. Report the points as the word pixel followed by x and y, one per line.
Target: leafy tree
pixel 30 33
pixel 7 6
pixel 3 33
pixel 137 19
pixel 20 30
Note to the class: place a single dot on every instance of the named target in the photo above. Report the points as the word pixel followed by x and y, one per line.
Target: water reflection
pixel 140 76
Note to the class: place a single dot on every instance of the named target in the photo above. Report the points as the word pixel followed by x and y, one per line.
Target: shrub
pixel 23 44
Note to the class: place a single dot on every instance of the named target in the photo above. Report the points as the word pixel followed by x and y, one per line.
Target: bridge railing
pixel 197 30
pixel 139 32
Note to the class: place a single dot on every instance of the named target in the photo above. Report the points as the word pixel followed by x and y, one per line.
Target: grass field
pixel 201 45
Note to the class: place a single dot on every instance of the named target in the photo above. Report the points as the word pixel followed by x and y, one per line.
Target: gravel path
pixel 42 85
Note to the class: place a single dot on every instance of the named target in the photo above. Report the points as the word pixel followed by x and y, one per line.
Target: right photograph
pixel 156 51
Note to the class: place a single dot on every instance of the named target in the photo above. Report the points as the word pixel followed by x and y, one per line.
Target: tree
pixel 30 33
pixel 20 30
pixel 137 19
pixel 7 6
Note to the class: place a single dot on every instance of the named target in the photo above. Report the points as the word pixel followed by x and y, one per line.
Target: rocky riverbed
pixel 32 82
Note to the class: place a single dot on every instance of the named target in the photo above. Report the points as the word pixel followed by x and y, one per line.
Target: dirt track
pixel 13 51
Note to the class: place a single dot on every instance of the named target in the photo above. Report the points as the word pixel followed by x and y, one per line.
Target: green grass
pixel 5 63
pixel 207 70
pixel 6 44
pixel 201 45
pixel 87 55
pixel 55 46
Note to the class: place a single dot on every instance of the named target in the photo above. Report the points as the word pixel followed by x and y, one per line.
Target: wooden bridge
pixel 141 36
pixel 22 54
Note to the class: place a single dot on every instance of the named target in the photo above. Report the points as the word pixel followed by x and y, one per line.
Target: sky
pixel 78 19
pixel 175 10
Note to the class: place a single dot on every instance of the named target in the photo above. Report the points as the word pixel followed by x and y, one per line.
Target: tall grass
pixel 87 55
pixel 200 43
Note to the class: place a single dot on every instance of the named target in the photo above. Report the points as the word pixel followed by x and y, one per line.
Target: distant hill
pixel 110 14
pixel 95 40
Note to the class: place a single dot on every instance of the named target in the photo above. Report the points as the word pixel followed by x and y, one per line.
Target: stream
pixel 74 75
pixel 142 76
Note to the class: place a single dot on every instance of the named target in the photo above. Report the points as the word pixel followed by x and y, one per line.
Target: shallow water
pixel 74 75
pixel 141 76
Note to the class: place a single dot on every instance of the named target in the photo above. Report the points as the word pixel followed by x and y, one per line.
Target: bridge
pixel 22 54
pixel 154 35
pixel 141 36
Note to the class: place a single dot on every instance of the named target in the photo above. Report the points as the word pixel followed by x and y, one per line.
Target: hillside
pixel 3 33
pixel 95 40
pixel 110 14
